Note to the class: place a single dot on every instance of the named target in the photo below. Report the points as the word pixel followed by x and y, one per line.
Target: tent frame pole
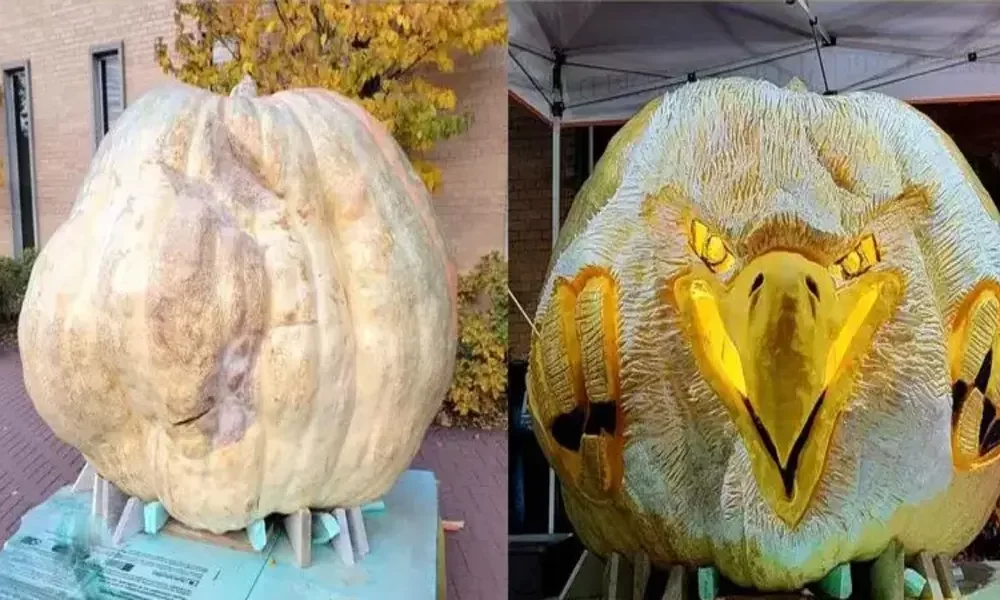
pixel 590 150
pixel 557 108
pixel 724 69
pixel 828 40
pixel 972 56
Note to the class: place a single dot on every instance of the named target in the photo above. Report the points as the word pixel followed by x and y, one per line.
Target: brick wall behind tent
pixel 975 127
pixel 56 36
pixel 530 187
pixel 530 210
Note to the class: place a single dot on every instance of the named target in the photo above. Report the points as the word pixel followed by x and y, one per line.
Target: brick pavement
pixel 470 465
pixel 472 469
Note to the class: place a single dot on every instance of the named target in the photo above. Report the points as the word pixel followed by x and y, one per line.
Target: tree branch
pixel 281 15
pixel 401 72
pixel 232 52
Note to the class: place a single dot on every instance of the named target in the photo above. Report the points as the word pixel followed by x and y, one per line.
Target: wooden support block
pixel 837 583
pixel 298 528
pixel 130 523
pixel 375 506
pixel 453 526
pixel 708 583
pixel 324 527
pixel 342 543
pixel 957 573
pixel 107 502
pixel 676 584
pixel 85 480
pixel 234 540
pixel 924 565
pixel 887 574
pixel 442 572
pixel 97 493
pixel 640 575
pixel 914 584
pixel 154 516
pixel 587 579
pixel 617 578
pixel 942 566
pixel 257 534
pixel 359 536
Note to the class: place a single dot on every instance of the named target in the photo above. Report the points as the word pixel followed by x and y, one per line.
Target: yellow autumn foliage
pixel 479 385
pixel 382 54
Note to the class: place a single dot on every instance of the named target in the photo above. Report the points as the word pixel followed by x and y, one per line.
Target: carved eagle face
pixel 766 337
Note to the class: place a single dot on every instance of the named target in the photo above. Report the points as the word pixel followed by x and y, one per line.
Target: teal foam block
pixel 913 583
pixel 838 583
pixel 257 534
pixel 708 583
pixel 324 527
pixel 402 562
pixel 60 551
pixel 154 517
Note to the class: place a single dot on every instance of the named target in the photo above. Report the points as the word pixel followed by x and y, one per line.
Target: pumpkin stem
pixel 246 88
pixel 797 85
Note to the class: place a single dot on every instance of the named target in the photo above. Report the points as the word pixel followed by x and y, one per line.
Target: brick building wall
pixel 57 35
pixel 530 190
pixel 472 201
pixel 530 210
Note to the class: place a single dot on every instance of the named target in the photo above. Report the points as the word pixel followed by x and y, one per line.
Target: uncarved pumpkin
pixel 249 310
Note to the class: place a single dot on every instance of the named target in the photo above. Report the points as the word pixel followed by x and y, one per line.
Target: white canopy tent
pixel 599 61
pixel 602 60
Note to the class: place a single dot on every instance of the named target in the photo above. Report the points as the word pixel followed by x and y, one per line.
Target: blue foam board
pixel 402 562
pixel 61 552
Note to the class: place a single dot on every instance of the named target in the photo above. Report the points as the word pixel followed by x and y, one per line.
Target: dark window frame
pixel 97 54
pixel 7 72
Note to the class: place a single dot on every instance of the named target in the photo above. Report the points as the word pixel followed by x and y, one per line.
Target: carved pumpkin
pixel 767 338
pixel 249 310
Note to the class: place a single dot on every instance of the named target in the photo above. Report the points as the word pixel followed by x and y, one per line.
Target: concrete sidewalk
pixel 470 465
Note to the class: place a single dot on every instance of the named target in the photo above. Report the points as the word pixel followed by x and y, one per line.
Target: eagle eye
pixel 859 260
pixel 710 248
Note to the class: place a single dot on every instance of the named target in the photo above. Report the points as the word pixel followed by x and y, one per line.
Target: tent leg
pixel 590 150
pixel 556 181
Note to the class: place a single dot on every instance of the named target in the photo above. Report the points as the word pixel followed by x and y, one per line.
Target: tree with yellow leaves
pixel 378 53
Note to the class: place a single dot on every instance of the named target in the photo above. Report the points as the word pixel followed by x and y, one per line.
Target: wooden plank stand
pixel 621 579
pixel 126 516
pixel 617 578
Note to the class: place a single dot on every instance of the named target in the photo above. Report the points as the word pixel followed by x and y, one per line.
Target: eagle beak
pixel 775 345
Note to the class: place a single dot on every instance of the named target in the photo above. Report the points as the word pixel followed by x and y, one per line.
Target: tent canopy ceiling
pixel 612 57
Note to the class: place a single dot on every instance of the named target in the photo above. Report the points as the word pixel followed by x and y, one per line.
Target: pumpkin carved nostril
pixel 813 288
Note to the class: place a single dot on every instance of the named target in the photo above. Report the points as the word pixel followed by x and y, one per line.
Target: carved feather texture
pixel 773 169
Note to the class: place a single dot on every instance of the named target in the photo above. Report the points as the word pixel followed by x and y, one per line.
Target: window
pixel 109 88
pixel 20 154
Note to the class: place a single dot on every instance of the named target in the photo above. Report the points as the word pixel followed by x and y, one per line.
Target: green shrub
pixel 14 276
pixel 480 383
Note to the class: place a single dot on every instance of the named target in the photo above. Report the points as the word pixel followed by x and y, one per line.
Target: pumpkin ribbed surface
pixel 249 310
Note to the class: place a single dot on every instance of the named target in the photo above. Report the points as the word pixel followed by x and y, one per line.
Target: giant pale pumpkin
pixel 249 310
pixel 768 338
